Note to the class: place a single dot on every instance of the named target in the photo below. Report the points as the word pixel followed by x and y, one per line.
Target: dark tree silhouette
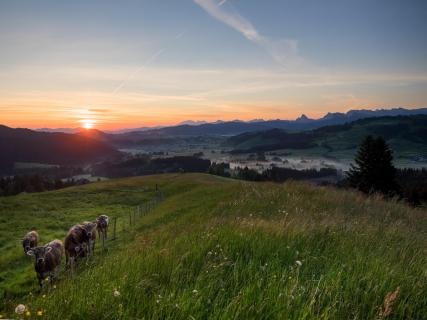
pixel 373 170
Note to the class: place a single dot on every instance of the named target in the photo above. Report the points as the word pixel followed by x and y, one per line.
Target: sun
pixel 87 123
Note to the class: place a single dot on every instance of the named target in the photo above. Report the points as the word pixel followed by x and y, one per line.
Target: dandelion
pixel 20 309
pixel 299 263
pixel 39 313
pixel 116 293
pixel 28 313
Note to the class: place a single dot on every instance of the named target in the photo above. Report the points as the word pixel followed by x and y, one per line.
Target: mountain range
pixel 200 128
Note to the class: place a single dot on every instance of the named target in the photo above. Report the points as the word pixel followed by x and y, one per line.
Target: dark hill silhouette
pixel 24 145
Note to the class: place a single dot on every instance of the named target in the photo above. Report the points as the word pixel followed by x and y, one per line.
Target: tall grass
pixel 222 249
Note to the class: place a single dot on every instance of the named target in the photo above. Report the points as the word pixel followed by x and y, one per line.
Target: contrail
pixel 147 62
pixel 133 74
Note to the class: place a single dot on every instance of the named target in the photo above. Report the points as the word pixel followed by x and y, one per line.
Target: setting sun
pixel 87 124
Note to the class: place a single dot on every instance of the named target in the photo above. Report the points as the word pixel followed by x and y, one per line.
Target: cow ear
pixel 30 253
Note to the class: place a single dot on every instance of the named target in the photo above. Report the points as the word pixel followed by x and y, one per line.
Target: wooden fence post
pixel 114 228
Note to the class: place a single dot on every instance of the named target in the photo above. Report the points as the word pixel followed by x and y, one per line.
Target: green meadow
pixel 217 248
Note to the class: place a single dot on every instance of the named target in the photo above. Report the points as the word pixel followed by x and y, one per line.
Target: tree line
pixel 10 186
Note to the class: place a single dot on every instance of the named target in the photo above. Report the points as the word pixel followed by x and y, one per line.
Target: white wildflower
pixel 299 263
pixel 20 309
pixel 116 293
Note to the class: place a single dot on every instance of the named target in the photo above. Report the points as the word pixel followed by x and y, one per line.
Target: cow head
pixel 89 228
pixel 39 253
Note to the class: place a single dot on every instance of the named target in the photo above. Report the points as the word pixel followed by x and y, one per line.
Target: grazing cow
pixel 102 227
pixel 30 241
pixel 48 259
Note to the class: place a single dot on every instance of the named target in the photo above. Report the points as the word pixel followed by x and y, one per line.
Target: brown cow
pixel 90 230
pixel 102 227
pixel 48 259
pixel 30 241
pixel 78 242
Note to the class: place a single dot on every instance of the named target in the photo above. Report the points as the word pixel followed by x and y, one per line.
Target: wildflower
pixel 116 293
pixel 43 296
pixel 387 307
pixel 195 291
pixel 28 313
pixel 20 309
pixel 299 263
pixel 157 301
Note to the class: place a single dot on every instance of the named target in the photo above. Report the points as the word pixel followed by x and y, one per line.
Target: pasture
pixel 218 248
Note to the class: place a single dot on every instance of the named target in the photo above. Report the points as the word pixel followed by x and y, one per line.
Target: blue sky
pixel 132 63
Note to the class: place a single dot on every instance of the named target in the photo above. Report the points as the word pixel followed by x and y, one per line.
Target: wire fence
pixel 136 213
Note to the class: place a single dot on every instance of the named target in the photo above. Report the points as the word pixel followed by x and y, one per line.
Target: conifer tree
pixel 373 170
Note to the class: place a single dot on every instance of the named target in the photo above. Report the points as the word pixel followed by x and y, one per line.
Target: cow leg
pixel 40 278
pixel 67 260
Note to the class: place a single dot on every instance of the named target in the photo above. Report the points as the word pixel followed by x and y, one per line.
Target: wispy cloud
pixel 283 51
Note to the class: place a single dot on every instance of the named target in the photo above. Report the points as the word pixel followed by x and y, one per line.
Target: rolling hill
pixel 217 248
pixel 24 145
pixel 407 135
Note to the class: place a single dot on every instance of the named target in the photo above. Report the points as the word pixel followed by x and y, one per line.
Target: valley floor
pixel 217 248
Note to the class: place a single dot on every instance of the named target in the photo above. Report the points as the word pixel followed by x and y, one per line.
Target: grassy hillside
pixel 219 248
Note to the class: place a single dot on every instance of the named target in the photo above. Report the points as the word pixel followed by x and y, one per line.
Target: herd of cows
pixel 78 243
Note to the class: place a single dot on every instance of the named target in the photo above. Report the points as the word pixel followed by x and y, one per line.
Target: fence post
pixel 114 228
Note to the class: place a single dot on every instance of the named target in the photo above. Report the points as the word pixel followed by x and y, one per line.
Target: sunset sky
pixel 120 64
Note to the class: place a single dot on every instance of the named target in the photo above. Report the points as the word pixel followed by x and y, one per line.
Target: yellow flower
pixel 39 313
pixel 28 313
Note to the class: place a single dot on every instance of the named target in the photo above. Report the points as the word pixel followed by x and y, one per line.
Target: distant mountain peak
pixel 303 118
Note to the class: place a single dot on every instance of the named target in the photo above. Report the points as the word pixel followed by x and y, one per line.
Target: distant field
pixel 223 249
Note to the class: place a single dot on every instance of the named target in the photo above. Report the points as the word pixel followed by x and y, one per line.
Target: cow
pixel 90 230
pixel 30 241
pixel 47 260
pixel 102 228
pixel 78 242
